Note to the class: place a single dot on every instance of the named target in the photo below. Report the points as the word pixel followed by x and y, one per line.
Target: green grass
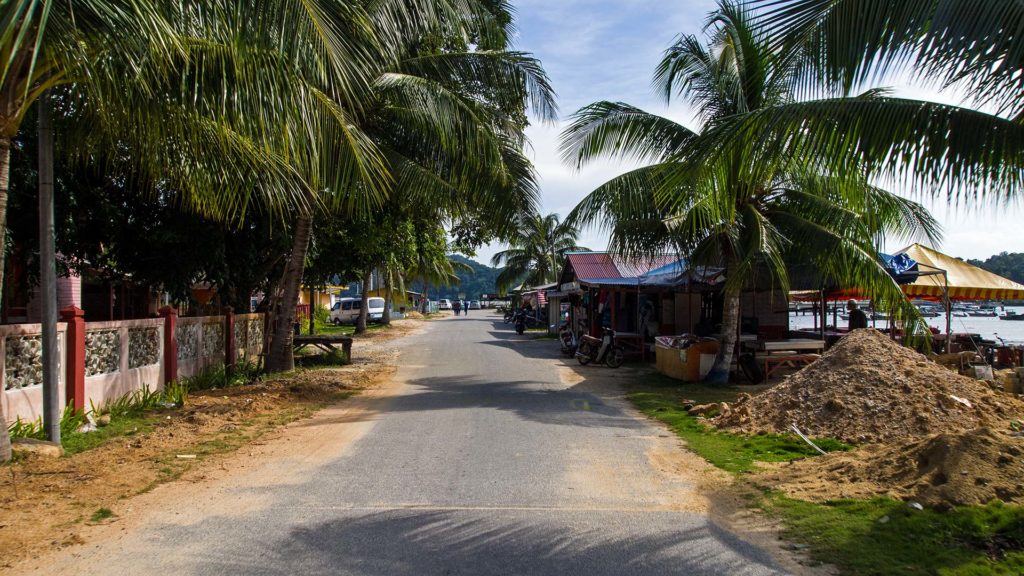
pixel 101 514
pixel 119 427
pixel 735 453
pixel 345 329
pixel 972 540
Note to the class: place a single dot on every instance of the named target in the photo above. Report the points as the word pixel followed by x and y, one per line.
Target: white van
pixel 445 304
pixel 346 310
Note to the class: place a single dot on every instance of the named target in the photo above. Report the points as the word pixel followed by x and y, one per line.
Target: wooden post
pixel 312 301
pixel 74 374
pixel 170 316
pixel 229 338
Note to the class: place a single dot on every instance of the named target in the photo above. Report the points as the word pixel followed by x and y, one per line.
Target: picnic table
pixel 326 342
pixel 793 352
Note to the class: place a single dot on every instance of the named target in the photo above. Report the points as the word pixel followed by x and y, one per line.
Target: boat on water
pixel 1012 316
pixel 959 314
pixel 983 313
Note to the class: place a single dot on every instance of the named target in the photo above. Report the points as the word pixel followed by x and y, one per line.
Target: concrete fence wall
pixel 102 361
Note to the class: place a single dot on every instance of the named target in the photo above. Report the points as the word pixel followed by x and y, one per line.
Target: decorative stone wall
pixel 188 341
pixel 213 339
pixel 143 347
pixel 102 352
pixel 24 358
pixel 239 336
pixel 254 335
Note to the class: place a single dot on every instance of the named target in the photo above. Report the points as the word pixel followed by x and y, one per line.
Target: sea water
pixel 988 327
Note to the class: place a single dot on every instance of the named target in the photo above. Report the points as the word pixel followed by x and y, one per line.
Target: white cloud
pixel 604 50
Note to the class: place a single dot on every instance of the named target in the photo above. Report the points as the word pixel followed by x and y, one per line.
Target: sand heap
pixel 869 389
pixel 944 470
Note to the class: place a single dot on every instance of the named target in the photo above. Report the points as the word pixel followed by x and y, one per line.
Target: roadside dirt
pixel 690 484
pixel 47 505
pixel 945 470
pixel 869 389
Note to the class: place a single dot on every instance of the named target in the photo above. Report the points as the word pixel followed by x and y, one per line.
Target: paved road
pixel 494 457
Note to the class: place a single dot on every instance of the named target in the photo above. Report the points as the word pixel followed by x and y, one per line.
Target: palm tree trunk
pixel 5 177
pixel 730 326
pixel 5 165
pixel 280 358
pixel 361 321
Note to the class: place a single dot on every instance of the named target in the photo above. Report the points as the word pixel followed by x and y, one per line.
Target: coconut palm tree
pixel 444 124
pixel 749 213
pixel 536 251
pixel 973 48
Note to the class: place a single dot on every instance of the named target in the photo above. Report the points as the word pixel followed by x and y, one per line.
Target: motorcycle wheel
pixel 519 330
pixel 583 359
pixel 614 358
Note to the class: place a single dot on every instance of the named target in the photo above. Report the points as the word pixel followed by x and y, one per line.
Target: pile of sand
pixel 944 470
pixel 869 389
pixel 414 316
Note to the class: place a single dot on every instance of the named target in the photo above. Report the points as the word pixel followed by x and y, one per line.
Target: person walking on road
pixel 457 306
pixel 465 307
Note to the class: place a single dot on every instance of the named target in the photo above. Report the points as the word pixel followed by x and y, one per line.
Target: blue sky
pixel 607 50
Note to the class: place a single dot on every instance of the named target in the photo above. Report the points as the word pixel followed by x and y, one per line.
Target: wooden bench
pixel 773 362
pixel 794 352
pixel 326 342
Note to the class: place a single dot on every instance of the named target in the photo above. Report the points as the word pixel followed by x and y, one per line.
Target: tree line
pixel 254 143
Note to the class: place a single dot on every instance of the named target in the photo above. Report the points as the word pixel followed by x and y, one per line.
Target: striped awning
pixel 966 282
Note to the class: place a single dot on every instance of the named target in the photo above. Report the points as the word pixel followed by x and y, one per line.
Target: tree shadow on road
pixel 476 542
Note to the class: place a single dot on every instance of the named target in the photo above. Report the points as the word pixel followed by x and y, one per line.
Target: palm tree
pixel 973 48
pixel 536 251
pixel 239 103
pixel 442 123
pixel 750 212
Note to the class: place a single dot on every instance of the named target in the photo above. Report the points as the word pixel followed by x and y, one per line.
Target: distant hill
pixel 1007 264
pixel 481 281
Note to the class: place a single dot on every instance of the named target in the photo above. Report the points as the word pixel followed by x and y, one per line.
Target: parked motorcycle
pixel 520 322
pixel 601 349
pixel 567 339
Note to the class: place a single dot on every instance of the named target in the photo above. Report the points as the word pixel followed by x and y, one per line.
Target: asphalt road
pixel 494 456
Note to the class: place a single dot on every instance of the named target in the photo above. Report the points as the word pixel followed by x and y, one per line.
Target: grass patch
pixel 735 453
pixel 221 376
pixel 118 428
pixel 972 540
pixel 869 537
pixel 101 514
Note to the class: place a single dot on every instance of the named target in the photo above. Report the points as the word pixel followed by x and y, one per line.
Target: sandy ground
pixel 47 505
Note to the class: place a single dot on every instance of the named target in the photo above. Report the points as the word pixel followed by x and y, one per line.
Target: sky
pixel 607 50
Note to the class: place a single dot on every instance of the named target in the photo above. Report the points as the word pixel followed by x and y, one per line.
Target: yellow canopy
pixel 966 282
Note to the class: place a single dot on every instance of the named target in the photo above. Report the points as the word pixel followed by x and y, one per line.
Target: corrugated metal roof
pixel 632 268
pixel 593 265
pixel 611 281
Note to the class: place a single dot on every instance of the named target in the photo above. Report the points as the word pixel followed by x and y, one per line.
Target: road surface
pixel 490 455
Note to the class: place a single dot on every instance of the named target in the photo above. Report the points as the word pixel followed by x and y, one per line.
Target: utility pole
pixel 48 273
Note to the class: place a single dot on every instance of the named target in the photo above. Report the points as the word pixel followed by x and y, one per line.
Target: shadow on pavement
pixel 479 542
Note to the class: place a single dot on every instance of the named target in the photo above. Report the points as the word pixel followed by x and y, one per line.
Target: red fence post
pixel 170 316
pixel 229 338
pixel 74 358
